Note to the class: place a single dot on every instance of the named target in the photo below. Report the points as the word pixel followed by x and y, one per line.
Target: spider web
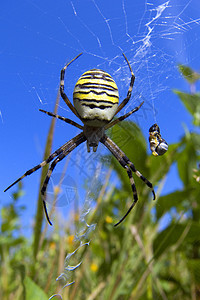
pixel 154 35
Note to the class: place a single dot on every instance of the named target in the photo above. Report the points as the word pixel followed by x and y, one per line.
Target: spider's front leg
pixel 128 96
pixel 62 93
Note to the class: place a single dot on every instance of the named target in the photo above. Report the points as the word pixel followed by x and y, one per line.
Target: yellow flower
pixel 57 190
pixel 109 219
pixel 52 245
pixel 76 217
pixel 93 267
pixel 70 239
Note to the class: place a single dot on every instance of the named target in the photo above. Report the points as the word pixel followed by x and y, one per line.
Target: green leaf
pixel 167 238
pixel 160 165
pixel 176 199
pixel 98 251
pixel 128 136
pixel 33 291
pixel 194 267
pixel 196 120
pixel 131 141
pixel 188 233
pixel 192 104
pixel 190 75
pixel 187 158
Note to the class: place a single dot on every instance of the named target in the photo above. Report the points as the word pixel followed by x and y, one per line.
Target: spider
pixel 96 102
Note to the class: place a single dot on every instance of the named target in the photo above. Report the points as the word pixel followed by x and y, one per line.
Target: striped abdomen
pixel 96 98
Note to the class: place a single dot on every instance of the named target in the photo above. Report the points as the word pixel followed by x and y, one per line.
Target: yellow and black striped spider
pixel 96 100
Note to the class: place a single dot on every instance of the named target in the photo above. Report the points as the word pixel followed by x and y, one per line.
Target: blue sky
pixel 39 37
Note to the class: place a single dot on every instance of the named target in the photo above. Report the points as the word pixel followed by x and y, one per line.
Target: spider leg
pixel 129 166
pixel 135 196
pixel 123 117
pixel 125 101
pixel 50 158
pixel 62 118
pixel 79 139
pixel 62 93
pixel 146 181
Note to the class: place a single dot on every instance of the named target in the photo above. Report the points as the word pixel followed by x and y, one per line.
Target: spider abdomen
pixel 96 98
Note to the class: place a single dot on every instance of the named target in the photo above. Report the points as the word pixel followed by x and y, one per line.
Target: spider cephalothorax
pixel 96 102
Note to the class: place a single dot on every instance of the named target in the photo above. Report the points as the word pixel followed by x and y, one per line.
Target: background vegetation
pixel 140 259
